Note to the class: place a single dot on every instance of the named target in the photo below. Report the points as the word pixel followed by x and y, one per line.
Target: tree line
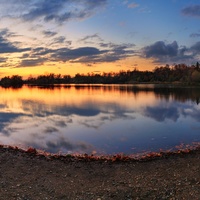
pixel 180 73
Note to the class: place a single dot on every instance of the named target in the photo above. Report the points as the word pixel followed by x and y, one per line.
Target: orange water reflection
pixel 74 96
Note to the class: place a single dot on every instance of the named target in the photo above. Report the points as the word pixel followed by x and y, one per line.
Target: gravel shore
pixel 28 176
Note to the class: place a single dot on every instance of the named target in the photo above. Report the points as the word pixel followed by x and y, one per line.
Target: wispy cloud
pixel 58 11
pixel 88 38
pixel 8 47
pixel 58 40
pixel 7 33
pixel 108 52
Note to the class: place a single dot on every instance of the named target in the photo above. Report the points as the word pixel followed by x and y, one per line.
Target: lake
pixel 100 119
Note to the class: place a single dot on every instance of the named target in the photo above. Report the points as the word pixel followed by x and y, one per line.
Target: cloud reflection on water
pixel 94 120
pixel 161 114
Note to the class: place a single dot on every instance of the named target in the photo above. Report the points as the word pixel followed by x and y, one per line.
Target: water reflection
pixel 99 118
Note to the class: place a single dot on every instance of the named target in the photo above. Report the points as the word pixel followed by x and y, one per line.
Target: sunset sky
pixel 81 36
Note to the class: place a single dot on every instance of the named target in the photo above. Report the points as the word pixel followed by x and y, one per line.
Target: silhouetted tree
pixel 5 82
pixel 197 66
pixel 14 81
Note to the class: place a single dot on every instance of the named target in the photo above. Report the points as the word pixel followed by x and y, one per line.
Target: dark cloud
pixel 115 46
pixel 9 47
pixel 36 57
pixel 66 54
pixel 168 53
pixel 46 9
pixel 109 57
pixel 122 49
pixel 160 49
pixel 32 62
pixel 194 35
pixel 40 55
pixel 49 33
pixel 61 123
pixel 107 52
pixel 50 129
pixel 61 40
pixel 58 40
pixel 40 51
pixel 192 11
pixel 111 53
pixel 117 52
pixel 195 48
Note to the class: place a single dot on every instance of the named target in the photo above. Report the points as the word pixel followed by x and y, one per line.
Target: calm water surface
pixel 102 119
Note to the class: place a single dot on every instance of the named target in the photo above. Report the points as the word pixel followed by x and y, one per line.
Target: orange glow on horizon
pixel 72 69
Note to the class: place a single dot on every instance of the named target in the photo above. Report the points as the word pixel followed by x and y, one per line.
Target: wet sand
pixel 25 175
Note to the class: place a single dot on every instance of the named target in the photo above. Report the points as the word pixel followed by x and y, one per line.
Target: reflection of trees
pixel 161 91
pixel 87 87
pixel 179 94
pixel 164 92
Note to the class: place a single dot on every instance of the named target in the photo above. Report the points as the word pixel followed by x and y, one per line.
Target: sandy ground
pixel 27 176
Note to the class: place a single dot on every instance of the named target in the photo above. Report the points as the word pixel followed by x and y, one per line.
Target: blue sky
pixel 81 36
